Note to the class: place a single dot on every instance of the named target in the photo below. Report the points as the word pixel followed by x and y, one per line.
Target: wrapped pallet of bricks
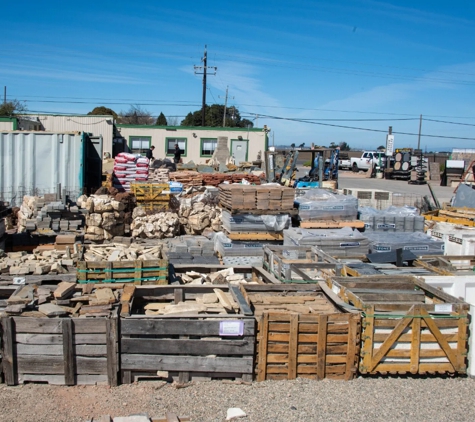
pixel 244 222
pixel 392 219
pixel 335 242
pixel 129 168
pixel 106 217
pixel 320 204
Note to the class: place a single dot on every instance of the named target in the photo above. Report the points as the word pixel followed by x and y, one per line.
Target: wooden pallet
pixel 332 224
pixel 463 216
pixel 292 346
pixel 66 351
pixel 154 271
pixel 150 192
pixel 255 235
pixel 408 326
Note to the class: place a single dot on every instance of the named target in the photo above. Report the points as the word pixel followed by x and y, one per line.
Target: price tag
pixel 231 328
pixel 443 308
pixel 19 280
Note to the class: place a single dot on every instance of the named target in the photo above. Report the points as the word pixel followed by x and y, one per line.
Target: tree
pixel 136 115
pixel 161 120
pixel 214 117
pixel 173 121
pixel 103 111
pixel 12 108
pixel 344 146
pixel 381 147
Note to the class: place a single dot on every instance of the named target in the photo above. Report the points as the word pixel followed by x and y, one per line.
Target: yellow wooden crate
pixel 146 192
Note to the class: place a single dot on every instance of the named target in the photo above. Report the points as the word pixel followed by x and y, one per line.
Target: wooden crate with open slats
pixel 153 271
pixel 407 325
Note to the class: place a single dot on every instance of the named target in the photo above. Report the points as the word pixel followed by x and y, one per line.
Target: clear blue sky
pixel 289 65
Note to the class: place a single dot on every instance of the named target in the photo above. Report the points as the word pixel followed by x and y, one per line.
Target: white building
pixel 197 143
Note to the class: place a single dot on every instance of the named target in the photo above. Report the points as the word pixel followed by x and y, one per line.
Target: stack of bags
pixel 128 168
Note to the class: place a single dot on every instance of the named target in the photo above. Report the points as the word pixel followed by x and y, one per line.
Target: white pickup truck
pixel 367 160
pixel 344 162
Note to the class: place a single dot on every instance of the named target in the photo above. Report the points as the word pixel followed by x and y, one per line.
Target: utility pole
pixel 419 137
pixel 205 68
pixel 225 105
pixel 5 94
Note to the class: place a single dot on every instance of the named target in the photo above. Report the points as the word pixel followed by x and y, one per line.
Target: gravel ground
pixel 363 399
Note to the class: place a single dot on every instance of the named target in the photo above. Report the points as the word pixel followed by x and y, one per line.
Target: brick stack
pixel 128 168
pixel 187 178
pixel 264 197
pixel 43 213
pixel 215 179
pixel 160 175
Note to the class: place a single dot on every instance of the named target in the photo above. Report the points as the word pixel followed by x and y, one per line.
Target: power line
pixel 367 129
pixel 449 123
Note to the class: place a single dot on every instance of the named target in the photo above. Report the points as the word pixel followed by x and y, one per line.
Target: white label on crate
pixel 231 328
pixel 416 248
pixel 445 308
pixel 382 248
pixel 437 234
pixel 386 226
pixel 336 289
pixel 19 280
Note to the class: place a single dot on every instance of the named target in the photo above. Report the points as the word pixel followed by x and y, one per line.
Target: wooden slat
pixel 321 346
pixel 177 327
pixel 415 342
pixel 33 364
pixel 263 344
pixel 53 325
pixel 353 345
pixel 293 339
pixel 68 352
pixel 196 347
pixel 8 358
pixel 185 363
pixel 112 351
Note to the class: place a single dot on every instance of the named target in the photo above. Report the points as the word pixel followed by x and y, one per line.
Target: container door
pixel 239 150
pixel 93 163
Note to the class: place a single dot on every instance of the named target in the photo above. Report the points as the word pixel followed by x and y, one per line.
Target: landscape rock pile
pixel 155 226
pixel 196 217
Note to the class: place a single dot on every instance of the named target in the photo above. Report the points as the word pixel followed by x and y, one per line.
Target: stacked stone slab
pixel 45 213
pixel 105 219
pixel 191 249
pixel 159 175
pixel 197 217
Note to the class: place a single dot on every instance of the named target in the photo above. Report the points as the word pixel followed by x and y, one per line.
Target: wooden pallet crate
pixel 407 326
pixel 463 216
pixel 153 271
pixel 150 192
pixel 301 333
pixel 299 264
pixel 264 235
pixel 64 351
pixel 187 345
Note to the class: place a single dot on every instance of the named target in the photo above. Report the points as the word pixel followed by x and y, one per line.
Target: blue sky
pixel 297 67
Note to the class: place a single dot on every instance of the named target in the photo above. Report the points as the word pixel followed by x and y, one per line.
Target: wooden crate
pixel 319 342
pixel 187 346
pixel 64 351
pixel 150 192
pixel 299 264
pixel 153 271
pixel 408 326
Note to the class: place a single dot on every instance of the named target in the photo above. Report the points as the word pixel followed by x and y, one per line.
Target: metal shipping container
pixel 35 163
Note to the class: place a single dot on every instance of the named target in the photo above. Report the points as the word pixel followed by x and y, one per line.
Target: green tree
pixel 344 146
pixel 103 111
pixel 161 120
pixel 11 108
pixel 214 117
pixel 381 147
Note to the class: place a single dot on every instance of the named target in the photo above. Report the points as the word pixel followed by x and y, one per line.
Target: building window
pixel 208 145
pixel 139 144
pixel 170 145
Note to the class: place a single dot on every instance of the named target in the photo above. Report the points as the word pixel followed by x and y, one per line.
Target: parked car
pixel 344 163
pixel 368 160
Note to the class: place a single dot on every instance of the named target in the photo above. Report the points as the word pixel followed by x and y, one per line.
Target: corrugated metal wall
pixel 34 163
pixel 97 125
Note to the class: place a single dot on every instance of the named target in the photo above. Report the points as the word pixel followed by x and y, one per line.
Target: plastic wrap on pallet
pixel 320 204
pixel 392 219
pixel 227 247
pixel 255 223
pixel 417 243
pixel 335 242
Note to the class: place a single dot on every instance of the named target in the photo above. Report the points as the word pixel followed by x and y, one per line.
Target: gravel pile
pixel 369 399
